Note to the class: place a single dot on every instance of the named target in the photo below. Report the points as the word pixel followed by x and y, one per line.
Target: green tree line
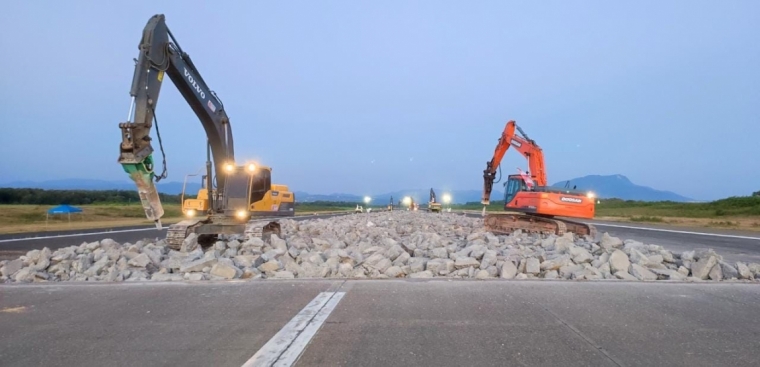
pixel 74 197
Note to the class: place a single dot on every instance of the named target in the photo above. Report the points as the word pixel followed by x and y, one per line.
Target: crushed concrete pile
pixel 378 245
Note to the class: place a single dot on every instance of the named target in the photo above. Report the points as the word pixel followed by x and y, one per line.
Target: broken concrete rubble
pixel 396 245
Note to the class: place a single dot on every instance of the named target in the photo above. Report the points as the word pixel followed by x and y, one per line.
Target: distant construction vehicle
pixel 433 204
pixel 409 202
pixel 233 193
pixel 539 207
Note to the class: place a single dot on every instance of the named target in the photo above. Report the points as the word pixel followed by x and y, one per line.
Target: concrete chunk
pixel 532 266
pixel 508 270
pixel 284 274
pixel 619 262
pixel 608 242
pixel 743 270
pixel 701 269
pixel 642 273
pixel 465 262
pixel 624 276
pixel 140 261
pixel 422 274
pixel 159 277
pixel 269 266
pixel 226 269
pixel 394 272
pixel 197 265
pixel 11 267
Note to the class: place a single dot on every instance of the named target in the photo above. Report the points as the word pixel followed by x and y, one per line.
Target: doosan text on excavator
pixel 533 206
pixel 234 195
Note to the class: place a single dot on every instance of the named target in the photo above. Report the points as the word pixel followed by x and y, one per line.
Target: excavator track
pixel 581 229
pixel 507 223
pixel 176 233
pixel 261 228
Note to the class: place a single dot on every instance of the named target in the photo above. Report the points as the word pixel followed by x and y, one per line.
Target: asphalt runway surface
pixel 732 245
pixel 380 323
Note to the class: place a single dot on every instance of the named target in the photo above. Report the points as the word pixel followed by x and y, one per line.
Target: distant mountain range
pixel 613 186
pixel 620 187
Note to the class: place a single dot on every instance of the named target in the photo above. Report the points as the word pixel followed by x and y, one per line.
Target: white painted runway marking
pixel 675 231
pixel 287 345
pixel 82 234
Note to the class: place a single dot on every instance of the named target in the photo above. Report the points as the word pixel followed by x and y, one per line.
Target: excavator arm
pixel 161 55
pixel 526 146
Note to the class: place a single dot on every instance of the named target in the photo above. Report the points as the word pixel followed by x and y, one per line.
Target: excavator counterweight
pixel 530 205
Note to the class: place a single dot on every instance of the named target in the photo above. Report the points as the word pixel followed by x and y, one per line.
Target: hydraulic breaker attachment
pixel 146 188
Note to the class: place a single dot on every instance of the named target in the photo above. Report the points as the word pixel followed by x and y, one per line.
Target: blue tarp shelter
pixel 62 209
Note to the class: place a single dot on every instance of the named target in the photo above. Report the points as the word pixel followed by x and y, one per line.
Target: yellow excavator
pixel 267 199
pixel 433 205
pixel 236 199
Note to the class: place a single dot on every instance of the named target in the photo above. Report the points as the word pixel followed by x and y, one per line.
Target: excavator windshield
pixel 514 185
pixel 236 189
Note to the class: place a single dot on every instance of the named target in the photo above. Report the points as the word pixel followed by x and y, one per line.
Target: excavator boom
pixel 525 146
pixel 239 191
pixel 160 55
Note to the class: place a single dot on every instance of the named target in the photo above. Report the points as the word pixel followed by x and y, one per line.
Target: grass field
pixel 31 218
pixel 736 212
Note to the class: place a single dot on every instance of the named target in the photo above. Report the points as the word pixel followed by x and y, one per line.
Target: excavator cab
pixel 262 182
pixel 268 199
pixel 514 184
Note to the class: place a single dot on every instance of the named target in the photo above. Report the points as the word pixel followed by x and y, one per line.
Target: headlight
pixel 251 168
pixel 241 214
pixel 229 167
pixel 590 195
pixel 190 213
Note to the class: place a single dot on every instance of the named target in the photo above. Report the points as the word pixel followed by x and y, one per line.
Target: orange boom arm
pixel 526 146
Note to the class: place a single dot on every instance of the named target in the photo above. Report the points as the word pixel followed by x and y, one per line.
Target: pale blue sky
pixel 370 97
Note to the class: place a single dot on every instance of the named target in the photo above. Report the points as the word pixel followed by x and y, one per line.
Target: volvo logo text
pixel 195 84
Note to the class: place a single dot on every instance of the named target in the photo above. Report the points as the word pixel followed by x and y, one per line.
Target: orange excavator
pixel 532 205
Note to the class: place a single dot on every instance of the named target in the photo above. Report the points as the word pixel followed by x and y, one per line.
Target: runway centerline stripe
pixel 284 348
